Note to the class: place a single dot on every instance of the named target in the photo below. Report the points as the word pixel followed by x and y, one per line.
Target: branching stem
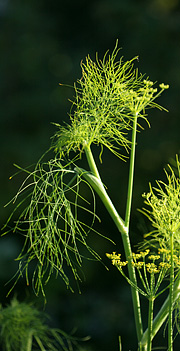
pixel 95 181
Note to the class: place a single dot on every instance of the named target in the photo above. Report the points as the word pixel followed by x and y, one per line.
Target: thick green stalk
pixel 91 161
pixel 29 343
pixel 95 181
pixel 171 291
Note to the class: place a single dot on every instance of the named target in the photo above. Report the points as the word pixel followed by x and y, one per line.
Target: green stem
pixel 95 181
pixel 91 161
pixel 127 218
pixel 40 343
pixel 162 314
pixel 171 291
pixel 150 312
pixel 131 173
pixel 29 342
pixel 150 322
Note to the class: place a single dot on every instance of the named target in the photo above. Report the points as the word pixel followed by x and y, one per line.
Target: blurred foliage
pixel 42 44
pixel 24 327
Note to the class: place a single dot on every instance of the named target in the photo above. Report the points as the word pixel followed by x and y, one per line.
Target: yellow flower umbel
pixel 151 269
pixel 116 260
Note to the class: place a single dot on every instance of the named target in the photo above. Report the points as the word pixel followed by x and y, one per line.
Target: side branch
pixel 100 190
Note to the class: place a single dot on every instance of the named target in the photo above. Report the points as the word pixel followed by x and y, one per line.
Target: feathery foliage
pixel 24 328
pixel 108 96
pixel 52 224
pixel 163 209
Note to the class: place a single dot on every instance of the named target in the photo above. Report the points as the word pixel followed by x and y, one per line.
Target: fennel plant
pixel 111 99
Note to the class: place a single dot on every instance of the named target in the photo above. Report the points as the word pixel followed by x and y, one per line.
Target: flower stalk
pixel 162 315
pixel 171 291
pixel 164 202
pixel 150 323
pixel 131 172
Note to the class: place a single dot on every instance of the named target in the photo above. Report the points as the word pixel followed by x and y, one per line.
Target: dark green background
pixel 41 45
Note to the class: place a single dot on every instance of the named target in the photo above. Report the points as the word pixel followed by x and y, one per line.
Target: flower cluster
pixel 148 265
pixel 116 260
pixel 164 212
pixel 138 260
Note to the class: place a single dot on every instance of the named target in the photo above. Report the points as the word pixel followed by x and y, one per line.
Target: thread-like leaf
pixel 108 96
pixel 52 223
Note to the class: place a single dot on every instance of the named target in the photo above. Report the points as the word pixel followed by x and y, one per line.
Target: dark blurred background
pixel 42 43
